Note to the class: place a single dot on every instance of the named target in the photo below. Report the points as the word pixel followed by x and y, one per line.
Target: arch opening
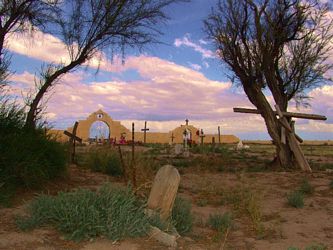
pixel 99 132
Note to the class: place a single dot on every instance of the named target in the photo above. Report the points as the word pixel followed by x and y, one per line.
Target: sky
pixel 179 78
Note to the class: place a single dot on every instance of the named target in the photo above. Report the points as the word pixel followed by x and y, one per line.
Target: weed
pixel 181 215
pixel 202 202
pixel 81 214
pixel 306 187
pixel 316 247
pixel 220 222
pixel 296 199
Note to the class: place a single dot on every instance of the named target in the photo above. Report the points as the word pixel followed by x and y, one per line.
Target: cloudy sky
pixel 164 84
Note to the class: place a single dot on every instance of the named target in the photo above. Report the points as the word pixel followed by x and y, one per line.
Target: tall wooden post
pixel 172 137
pixel 219 133
pixel 202 137
pixel 144 132
pixel 133 163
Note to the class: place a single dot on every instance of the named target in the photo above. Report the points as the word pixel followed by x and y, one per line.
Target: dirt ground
pixel 267 223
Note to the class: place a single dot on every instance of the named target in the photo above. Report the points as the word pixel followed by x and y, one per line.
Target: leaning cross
pixel 72 139
pixel 287 131
pixel 144 132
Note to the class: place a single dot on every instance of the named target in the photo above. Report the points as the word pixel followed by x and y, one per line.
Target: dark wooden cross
pixel 172 137
pixel 72 139
pixel 202 136
pixel 219 134
pixel 186 122
pixel 133 160
pixel 144 132
pixel 288 131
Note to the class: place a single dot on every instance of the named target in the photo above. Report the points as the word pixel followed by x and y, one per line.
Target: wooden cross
pixel 288 131
pixel 186 122
pixel 172 137
pixel 72 139
pixel 133 163
pixel 202 136
pixel 144 132
pixel 219 134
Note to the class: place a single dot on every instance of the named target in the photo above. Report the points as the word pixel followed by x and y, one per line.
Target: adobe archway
pixel 116 129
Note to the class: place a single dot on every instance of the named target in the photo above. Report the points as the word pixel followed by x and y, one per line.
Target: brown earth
pixel 210 192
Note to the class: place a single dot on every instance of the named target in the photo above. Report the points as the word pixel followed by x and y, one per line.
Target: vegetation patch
pixel 181 215
pixel 296 199
pixel 113 212
pixel 306 187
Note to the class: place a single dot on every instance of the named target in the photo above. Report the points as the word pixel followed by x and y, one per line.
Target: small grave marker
pixel 164 191
pixel 145 129
pixel 72 139
pixel 202 136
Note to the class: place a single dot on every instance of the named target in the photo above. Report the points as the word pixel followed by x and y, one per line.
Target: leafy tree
pixel 280 46
pixel 89 27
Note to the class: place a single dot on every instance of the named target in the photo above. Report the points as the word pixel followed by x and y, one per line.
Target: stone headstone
pixel 178 149
pixel 240 145
pixel 164 191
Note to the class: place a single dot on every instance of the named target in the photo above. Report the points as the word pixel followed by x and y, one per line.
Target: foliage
pixel 306 187
pixel 296 199
pixel 28 158
pixel 220 222
pixel 181 215
pixel 312 247
pixel 81 214
pixel 104 160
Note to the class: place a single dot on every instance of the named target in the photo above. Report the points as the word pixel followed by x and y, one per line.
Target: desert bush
pixel 181 215
pixel 104 160
pixel 220 222
pixel 296 199
pixel 28 158
pixel 312 247
pixel 306 187
pixel 113 212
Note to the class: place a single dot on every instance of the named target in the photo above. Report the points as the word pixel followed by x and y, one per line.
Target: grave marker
pixel 145 129
pixel 72 139
pixel 164 191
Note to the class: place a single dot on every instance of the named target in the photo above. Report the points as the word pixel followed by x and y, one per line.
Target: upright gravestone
pixel 164 191
pixel 178 149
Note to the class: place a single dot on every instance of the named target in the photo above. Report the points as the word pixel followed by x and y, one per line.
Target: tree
pixel 276 45
pixel 89 27
pixel 18 16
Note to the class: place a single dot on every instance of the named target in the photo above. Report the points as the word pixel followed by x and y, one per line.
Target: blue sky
pixel 165 83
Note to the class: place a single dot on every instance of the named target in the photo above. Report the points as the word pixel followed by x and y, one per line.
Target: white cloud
pixel 185 41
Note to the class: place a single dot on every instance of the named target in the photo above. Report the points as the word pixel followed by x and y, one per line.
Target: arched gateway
pixel 115 127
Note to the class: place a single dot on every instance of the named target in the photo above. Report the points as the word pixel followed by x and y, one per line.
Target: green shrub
pixel 296 199
pixel 81 214
pixel 181 215
pixel 220 222
pixel 28 158
pixel 106 161
pixel 306 187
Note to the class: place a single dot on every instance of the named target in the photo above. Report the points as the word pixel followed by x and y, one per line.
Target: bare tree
pixel 18 16
pixel 276 45
pixel 88 27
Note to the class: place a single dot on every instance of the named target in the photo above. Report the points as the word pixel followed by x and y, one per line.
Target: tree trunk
pixel 283 151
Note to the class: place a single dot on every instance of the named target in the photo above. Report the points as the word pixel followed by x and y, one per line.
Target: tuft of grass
pixel 82 214
pixel 220 222
pixel 182 217
pixel 306 187
pixel 296 199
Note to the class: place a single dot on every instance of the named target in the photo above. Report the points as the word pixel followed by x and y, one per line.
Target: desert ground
pixel 216 181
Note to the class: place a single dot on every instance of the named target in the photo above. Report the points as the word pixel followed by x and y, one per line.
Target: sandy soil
pixel 284 226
